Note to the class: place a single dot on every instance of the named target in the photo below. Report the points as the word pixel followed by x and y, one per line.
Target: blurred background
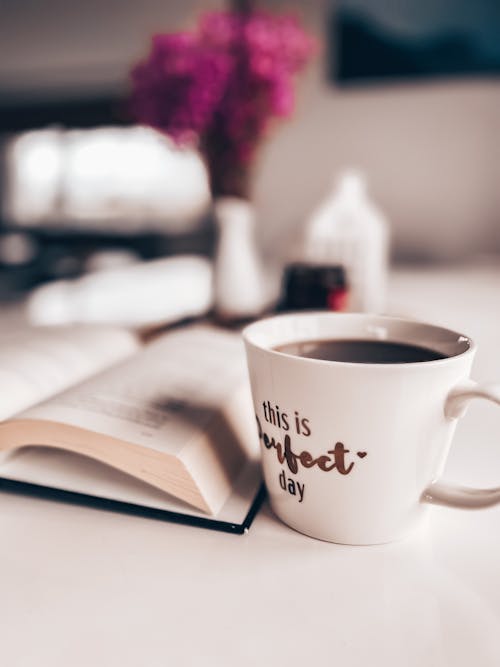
pixel 406 92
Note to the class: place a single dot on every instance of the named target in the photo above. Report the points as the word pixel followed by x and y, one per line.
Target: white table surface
pixel 81 587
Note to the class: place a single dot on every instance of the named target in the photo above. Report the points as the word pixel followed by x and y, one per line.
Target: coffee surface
pixel 360 351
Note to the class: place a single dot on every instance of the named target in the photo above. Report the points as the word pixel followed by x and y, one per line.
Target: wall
pixel 431 152
pixel 69 46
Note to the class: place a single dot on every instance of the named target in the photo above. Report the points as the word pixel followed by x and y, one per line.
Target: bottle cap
pixel 307 286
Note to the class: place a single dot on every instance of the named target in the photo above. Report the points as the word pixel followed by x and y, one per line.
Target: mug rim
pixel 248 334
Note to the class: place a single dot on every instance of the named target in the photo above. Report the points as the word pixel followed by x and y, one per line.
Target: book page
pixel 36 363
pixel 160 398
pixel 178 415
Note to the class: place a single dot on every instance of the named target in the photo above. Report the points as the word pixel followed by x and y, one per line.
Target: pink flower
pixel 221 84
pixel 177 88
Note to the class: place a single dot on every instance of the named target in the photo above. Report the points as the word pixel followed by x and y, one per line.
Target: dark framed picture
pixel 386 40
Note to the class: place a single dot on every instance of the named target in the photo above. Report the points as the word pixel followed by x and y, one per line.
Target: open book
pixel 174 415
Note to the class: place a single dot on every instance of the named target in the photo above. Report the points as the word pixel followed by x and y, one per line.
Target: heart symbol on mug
pixel 361 454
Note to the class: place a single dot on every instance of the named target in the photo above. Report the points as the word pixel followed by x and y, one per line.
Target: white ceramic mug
pixel 351 451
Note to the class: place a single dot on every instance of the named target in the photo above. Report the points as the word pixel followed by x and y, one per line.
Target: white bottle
pixel 348 229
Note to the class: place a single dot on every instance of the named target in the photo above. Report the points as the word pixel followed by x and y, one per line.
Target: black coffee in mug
pixel 361 351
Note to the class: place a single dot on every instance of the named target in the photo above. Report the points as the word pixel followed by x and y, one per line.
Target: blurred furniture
pixel 77 179
pixel 96 588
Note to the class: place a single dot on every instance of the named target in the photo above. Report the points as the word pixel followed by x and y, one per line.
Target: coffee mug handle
pixel 439 493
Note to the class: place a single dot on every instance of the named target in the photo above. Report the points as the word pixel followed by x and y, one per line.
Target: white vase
pixel 238 277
